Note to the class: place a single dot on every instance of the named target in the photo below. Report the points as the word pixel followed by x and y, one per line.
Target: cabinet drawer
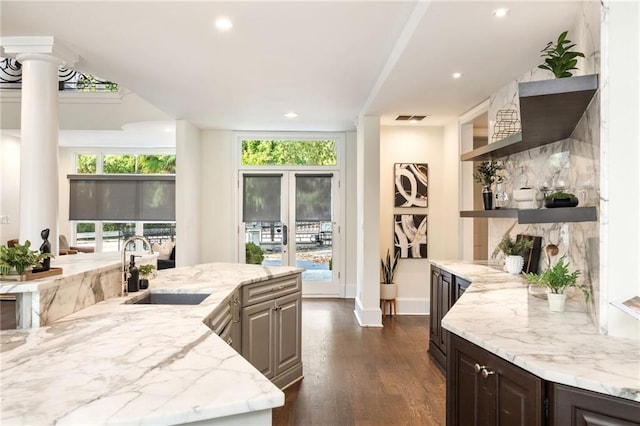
pixel 221 318
pixel 269 290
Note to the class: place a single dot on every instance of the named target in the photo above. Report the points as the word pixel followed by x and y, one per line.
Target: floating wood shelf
pixel 549 112
pixel 560 214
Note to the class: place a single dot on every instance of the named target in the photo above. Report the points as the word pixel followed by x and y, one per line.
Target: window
pixel 265 152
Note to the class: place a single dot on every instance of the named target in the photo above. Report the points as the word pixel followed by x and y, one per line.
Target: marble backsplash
pixel 573 164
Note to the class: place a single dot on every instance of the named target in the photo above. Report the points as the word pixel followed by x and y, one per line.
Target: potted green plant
pixel 559 59
pixel 560 199
pixel 389 289
pixel 514 252
pixel 556 280
pixel 145 272
pixel 20 258
pixel 486 173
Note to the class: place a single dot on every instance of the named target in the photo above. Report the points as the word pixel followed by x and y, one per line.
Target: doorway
pixel 290 218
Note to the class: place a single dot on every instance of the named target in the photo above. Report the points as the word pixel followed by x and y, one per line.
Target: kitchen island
pixel 120 363
pixel 496 319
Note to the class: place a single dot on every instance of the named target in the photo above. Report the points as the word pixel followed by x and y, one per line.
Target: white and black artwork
pixel 411 185
pixel 410 235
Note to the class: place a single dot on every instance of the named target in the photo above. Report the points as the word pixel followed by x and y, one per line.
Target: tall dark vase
pixel 487 197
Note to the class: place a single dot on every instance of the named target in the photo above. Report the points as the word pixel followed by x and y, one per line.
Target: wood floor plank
pixel 363 376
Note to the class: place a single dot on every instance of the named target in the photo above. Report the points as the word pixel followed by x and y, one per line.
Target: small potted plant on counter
pixel 389 289
pixel 145 272
pixel 19 258
pixel 514 252
pixel 557 279
pixel 560 199
pixel 486 173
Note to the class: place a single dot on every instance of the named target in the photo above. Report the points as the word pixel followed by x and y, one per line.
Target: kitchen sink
pixel 169 299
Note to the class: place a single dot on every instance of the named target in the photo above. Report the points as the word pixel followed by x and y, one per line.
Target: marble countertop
pixel 498 314
pixel 71 265
pixel 118 363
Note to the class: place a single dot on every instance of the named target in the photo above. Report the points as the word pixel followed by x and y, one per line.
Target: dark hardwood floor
pixel 363 376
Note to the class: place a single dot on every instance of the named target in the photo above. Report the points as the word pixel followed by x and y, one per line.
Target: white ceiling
pixel 327 61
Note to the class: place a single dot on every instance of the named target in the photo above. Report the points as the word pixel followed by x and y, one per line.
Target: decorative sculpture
pixel 45 247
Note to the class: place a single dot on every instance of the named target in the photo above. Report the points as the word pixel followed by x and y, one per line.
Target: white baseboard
pixel 368 317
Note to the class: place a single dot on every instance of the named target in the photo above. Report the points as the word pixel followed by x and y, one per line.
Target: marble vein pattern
pixel 498 314
pixel 121 363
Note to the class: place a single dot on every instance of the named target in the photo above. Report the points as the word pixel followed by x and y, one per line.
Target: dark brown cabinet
pixel 445 290
pixel 483 389
pixel 578 407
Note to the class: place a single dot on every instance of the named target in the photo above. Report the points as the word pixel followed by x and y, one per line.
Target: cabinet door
pixel 444 303
pixel 288 344
pixel 579 407
pixel 460 287
pixel 483 389
pixel 434 330
pixel 258 336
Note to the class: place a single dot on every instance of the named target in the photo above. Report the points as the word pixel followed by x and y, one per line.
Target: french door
pixel 289 218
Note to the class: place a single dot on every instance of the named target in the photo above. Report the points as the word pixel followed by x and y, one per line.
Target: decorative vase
pixel 143 284
pixel 388 291
pixel 514 264
pixel 556 301
pixel 487 197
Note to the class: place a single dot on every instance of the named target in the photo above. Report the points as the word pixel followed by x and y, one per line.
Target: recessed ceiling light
pixel 291 115
pixel 456 75
pixel 223 24
pixel 500 13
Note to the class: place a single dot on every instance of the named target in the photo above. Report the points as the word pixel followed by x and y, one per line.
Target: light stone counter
pixel 498 314
pixel 117 363
pixel 86 279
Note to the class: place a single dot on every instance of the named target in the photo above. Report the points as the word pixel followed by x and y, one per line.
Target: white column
pixel 40 60
pixel 367 309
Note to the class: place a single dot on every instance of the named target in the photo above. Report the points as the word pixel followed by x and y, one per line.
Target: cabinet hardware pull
pixel 478 367
pixel 229 341
pixel 486 373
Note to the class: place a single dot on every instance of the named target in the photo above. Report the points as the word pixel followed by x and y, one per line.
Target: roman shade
pixel 313 197
pixel 261 202
pixel 122 197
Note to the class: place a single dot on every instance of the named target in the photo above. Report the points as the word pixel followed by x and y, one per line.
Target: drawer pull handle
pixel 478 367
pixel 229 341
pixel 486 373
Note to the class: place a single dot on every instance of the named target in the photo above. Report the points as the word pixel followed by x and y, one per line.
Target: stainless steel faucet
pixel 125 270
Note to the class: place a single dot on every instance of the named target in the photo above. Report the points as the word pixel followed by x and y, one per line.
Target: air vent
pixel 411 117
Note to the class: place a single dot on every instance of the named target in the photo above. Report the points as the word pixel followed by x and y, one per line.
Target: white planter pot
pixel 556 301
pixel 514 264
pixel 388 291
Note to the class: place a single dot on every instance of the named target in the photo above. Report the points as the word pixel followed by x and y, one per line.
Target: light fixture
pixel 456 75
pixel 223 24
pixel 291 115
pixel 500 13
pixel 411 118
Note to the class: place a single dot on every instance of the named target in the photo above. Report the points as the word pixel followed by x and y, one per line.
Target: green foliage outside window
pixel 154 164
pixel 86 163
pixel 285 152
pixel 119 163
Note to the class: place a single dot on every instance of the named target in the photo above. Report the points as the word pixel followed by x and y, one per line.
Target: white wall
pixel 188 193
pixel 9 187
pixel 218 203
pixel 620 179
pixel 405 144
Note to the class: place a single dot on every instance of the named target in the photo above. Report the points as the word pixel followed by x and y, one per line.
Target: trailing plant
pixel 146 270
pixel 487 172
pixel 20 257
pixel 389 267
pixel 557 279
pixel 254 254
pixel 560 60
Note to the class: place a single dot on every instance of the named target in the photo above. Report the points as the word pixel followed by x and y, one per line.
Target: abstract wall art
pixel 410 235
pixel 411 184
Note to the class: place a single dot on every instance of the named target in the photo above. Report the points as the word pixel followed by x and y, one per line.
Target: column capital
pixel 41 47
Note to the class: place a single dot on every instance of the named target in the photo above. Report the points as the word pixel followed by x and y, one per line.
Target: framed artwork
pixel 411 184
pixel 410 235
